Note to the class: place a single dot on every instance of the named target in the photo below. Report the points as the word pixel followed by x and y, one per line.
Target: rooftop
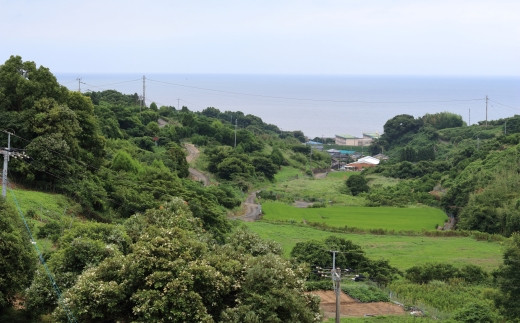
pixel 346 136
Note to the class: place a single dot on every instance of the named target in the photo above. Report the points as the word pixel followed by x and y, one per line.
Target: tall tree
pixel 508 281
pixel 18 261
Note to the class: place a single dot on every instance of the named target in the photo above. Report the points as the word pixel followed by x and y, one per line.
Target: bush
pixel 428 272
pixel 357 184
pixel 318 205
pixel 325 284
pixel 475 313
pixel 51 230
pixel 443 272
pixel 365 293
pixel 473 274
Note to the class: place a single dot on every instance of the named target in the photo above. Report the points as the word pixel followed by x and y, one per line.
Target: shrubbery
pixel 365 293
pixel 424 274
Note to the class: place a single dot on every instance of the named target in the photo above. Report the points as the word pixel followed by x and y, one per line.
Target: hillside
pixel 104 223
pixel 129 236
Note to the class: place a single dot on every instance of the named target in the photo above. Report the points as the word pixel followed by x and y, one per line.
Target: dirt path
pixel 253 210
pixel 350 307
pixel 302 204
pixel 162 123
pixel 199 176
pixel 193 153
pixel 320 175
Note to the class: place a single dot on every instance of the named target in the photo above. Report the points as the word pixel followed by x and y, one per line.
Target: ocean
pixel 318 105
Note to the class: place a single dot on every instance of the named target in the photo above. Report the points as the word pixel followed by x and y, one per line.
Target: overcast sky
pixel 409 37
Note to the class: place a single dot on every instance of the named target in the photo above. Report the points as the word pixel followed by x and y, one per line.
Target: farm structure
pixel 361 163
pixel 349 140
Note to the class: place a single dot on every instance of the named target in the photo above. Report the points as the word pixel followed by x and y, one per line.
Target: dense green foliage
pixel 18 259
pixel 507 278
pixel 445 300
pixel 349 256
pixel 425 273
pixel 356 184
pixel 163 249
pixel 365 293
pixel 471 172
pixel 148 244
pixel 172 272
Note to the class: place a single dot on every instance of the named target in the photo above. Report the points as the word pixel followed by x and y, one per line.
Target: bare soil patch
pixel 302 204
pixel 352 308
pixel 253 211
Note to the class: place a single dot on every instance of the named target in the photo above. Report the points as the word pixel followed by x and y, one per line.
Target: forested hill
pixel 152 244
pixel 472 172
pixel 112 156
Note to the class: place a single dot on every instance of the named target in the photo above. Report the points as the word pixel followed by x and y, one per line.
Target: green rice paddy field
pixel 402 251
pixel 388 218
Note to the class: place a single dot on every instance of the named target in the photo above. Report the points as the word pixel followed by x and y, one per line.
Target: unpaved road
pixel 253 210
pixel 350 307
pixel 193 153
pixel 199 176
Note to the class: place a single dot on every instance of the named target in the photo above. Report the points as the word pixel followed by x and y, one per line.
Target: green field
pixel 388 218
pixel 293 184
pixel 402 251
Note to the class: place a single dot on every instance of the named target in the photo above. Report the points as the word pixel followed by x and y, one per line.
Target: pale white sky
pixel 411 37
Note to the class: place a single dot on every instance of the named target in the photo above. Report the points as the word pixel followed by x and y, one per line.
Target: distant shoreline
pixel 318 105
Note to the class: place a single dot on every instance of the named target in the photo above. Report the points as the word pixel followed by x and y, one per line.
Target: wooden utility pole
pixel 143 102
pixel 8 152
pixel 336 280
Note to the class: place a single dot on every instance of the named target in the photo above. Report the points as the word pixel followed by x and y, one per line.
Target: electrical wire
pixel 311 99
pixel 504 105
pixel 110 84
pixel 70 315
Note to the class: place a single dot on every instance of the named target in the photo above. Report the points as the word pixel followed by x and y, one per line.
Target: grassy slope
pixel 402 251
pixel 294 183
pixel 46 207
pixel 40 202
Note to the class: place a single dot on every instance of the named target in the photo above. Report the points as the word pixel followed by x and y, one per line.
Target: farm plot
pixel 387 218
pixel 402 252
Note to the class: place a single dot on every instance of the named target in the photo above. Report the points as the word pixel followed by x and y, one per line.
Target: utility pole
pixel 7 152
pixel 469 117
pixel 336 280
pixel 79 84
pixel 486 108
pixel 178 104
pixel 143 102
pixel 310 159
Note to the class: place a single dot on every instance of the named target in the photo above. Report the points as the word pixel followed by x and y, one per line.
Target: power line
pixel 67 179
pixel 505 105
pixel 115 83
pixel 70 315
pixel 312 99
